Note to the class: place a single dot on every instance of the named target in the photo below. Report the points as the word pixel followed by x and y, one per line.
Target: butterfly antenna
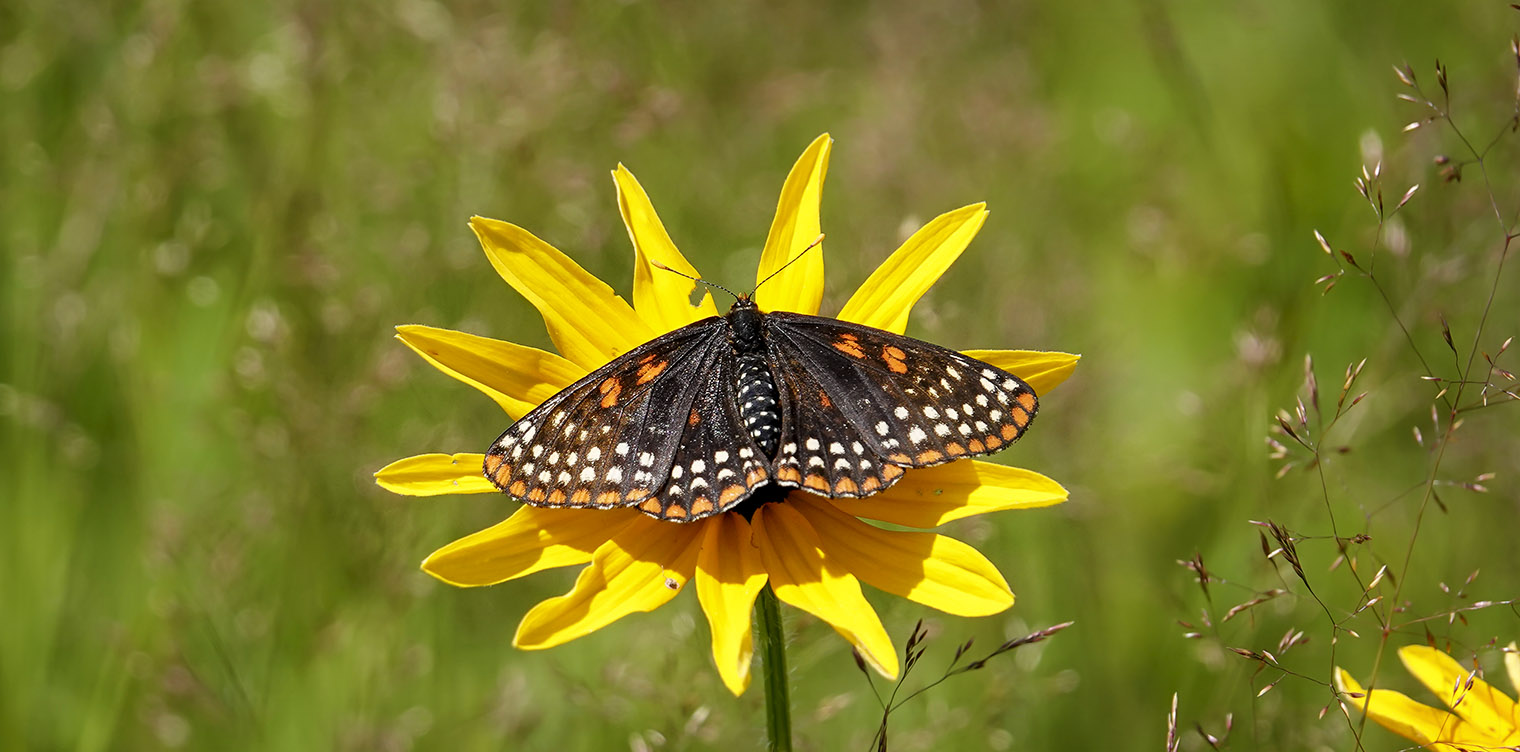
pixel 816 242
pixel 698 280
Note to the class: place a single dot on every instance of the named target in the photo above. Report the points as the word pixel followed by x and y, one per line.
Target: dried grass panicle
pixel 1330 600
pixel 914 651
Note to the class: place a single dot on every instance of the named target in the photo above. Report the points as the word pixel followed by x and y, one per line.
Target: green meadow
pixel 212 215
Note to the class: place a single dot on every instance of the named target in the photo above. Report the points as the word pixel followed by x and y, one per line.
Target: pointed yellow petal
pixel 729 576
pixel 890 292
pixel 1042 370
pixel 931 496
pixel 659 296
pixel 805 577
pixel 589 324
pixel 529 541
pixel 931 569
pixel 796 226
pixel 1512 666
pixel 436 475
pixel 1485 707
pixel 517 377
pixel 1394 711
pixel 640 569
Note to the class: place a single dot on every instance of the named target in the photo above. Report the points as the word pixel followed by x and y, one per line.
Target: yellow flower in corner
pixel 1481 716
pixel 814 551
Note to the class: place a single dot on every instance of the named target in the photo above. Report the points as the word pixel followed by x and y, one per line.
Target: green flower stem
pixel 778 705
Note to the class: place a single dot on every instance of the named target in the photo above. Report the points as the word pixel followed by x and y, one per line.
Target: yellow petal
pixel 796 226
pixel 1482 705
pixel 589 324
pixel 640 569
pixel 1512 666
pixel 1042 370
pixel 890 292
pixel 436 475
pixel 805 577
pixel 529 541
pixel 926 568
pixel 729 576
pixel 1394 711
pixel 659 296
pixel 931 496
pixel 517 377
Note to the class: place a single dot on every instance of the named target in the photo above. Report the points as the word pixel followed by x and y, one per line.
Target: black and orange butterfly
pixel 696 421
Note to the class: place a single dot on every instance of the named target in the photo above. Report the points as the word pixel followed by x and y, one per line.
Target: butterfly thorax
pixel 758 399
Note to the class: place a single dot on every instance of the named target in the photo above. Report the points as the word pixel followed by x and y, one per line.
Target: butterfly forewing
pixel 914 403
pixel 608 440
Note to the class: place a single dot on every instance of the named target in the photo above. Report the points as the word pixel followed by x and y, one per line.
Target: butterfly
pixel 697 421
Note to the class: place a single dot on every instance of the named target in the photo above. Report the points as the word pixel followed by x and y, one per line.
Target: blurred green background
pixel 212 214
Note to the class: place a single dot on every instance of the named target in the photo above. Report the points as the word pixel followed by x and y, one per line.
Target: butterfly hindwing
pixel 820 450
pixel 608 439
pixel 717 464
pixel 914 403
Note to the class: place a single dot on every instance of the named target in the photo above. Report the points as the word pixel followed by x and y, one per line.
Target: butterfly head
pixel 744 324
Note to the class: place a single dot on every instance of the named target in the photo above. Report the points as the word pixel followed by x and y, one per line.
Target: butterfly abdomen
pixel 759 402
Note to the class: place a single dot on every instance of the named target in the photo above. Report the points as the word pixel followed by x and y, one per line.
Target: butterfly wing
pixel 907 402
pixel 609 439
pixel 717 463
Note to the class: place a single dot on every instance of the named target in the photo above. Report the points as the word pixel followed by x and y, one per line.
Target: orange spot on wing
pixel 608 498
pixel 652 506
pixel 893 357
pixel 955 450
pixel 976 445
pixel 556 496
pixel 823 399
pixel 1020 417
pixel 648 371
pixel 730 493
pixel 536 494
pixel 1010 432
pixel 675 512
pixel 1026 400
pixel 581 496
pixel 518 488
pixel 789 474
pixel 993 442
pixel 816 483
pixel 851 349
pixel 894 352
pixel 845 486
pixel 702 505
pixel 869 484
pixel 931 455
pixel 610 390
pixel 900 458
pixel 694 418
pixel 891 471
pixel 494 462
pixel 636 494
pixel 755 476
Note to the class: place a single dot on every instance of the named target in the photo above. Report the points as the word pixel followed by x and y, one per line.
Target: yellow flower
pixel 1485 718
pixel 813 551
